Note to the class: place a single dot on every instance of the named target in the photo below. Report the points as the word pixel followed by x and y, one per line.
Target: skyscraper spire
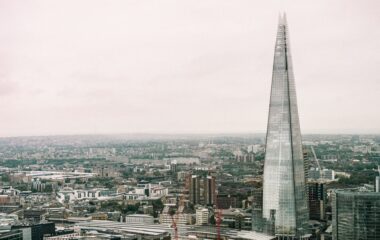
pixel 282 18
pixel 284 195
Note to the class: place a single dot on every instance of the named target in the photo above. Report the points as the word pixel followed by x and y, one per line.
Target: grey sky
pixel 75 66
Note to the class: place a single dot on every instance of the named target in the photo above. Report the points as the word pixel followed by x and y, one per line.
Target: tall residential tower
pixel 285 208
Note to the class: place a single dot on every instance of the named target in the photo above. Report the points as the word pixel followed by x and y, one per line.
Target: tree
pixel 157 207
pixel 48 188
pixel 212 220
pixel 5 178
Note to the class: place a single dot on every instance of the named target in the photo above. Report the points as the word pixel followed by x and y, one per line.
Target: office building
pixel 355 215
pixel 195 189
pixel 284 191
pixel 36 231
pixel 210 190
pixel 377 184
pixel 317 200
pixel 226 201
pixel 11 235
pixel 325 174
pixel 139 218
pixel 257 210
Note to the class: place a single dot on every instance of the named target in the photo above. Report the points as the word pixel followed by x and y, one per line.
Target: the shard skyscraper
pixel 285 208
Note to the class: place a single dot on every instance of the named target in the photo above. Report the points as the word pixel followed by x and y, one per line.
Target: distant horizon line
pixel 237 133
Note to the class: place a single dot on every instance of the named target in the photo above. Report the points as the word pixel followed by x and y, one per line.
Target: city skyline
pixel 195 67
pixel 149 120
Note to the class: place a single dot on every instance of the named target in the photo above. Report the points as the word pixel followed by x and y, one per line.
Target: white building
pixel 202 216
pixel 151 190
pixel 326 174
pixel 179 217
pixel 67 195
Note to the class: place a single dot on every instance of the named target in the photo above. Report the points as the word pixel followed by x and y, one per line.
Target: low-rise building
pixel 139 218
pixel 201 216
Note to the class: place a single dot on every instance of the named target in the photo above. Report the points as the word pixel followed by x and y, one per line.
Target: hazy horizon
pixel 183 67
pixel 186 134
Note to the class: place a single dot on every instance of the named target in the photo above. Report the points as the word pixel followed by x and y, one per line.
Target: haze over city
pixel 86 67
pixel 189 120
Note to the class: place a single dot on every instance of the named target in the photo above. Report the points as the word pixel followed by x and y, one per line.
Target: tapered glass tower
pixel 284 196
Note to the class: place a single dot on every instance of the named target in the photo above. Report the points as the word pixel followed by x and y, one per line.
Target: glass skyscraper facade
pixel 285 207
pixel 355 215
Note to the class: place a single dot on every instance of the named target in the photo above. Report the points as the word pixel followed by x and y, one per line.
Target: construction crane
pixel 175 215
pixel 317 161
pixel 219 215
pixel 174 225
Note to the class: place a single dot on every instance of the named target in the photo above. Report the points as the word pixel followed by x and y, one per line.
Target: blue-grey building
pixel 355 215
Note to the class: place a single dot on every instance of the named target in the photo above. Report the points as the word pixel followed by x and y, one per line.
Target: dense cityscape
pixel 273 185
pixel 73 185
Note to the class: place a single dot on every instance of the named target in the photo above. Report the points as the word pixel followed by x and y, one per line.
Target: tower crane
pixel 317 161
pixel 218 216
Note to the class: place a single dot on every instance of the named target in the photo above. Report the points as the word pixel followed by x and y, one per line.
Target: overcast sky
pixel 195 66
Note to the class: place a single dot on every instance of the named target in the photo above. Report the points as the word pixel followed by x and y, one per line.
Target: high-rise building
pixel 355 215
pixel 284 190
pixel 202 189
pixel 195 190
pixel 306 162
pixel 317 200
pixel 257 210
pixel 209 190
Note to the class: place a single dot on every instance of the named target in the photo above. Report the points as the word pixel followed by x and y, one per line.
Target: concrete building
pixel 195 190
pixel 324 174
pixel 139 218
pixel 317 200
pixel 106 171
pixel 35 215
pixel 180 217
pixel 69 195
pixel 181 176
pixel 237 218
pixel 36 231
pixel 202 216
pixel 241 157
pixel 127 231
pixel 11 235
pixel 226 201
pixel 209 190
pixel 257 210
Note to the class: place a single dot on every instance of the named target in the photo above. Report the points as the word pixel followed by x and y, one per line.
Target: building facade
pixel 201 216
pixel 210 190
pixel 317 200
pixel 139 218
pixel 284 196
pixel 195 190
pixel 355 215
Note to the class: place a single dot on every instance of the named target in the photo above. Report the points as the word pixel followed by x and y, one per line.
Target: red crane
pixel 174 225
pixel 218 222
pixel 175 216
